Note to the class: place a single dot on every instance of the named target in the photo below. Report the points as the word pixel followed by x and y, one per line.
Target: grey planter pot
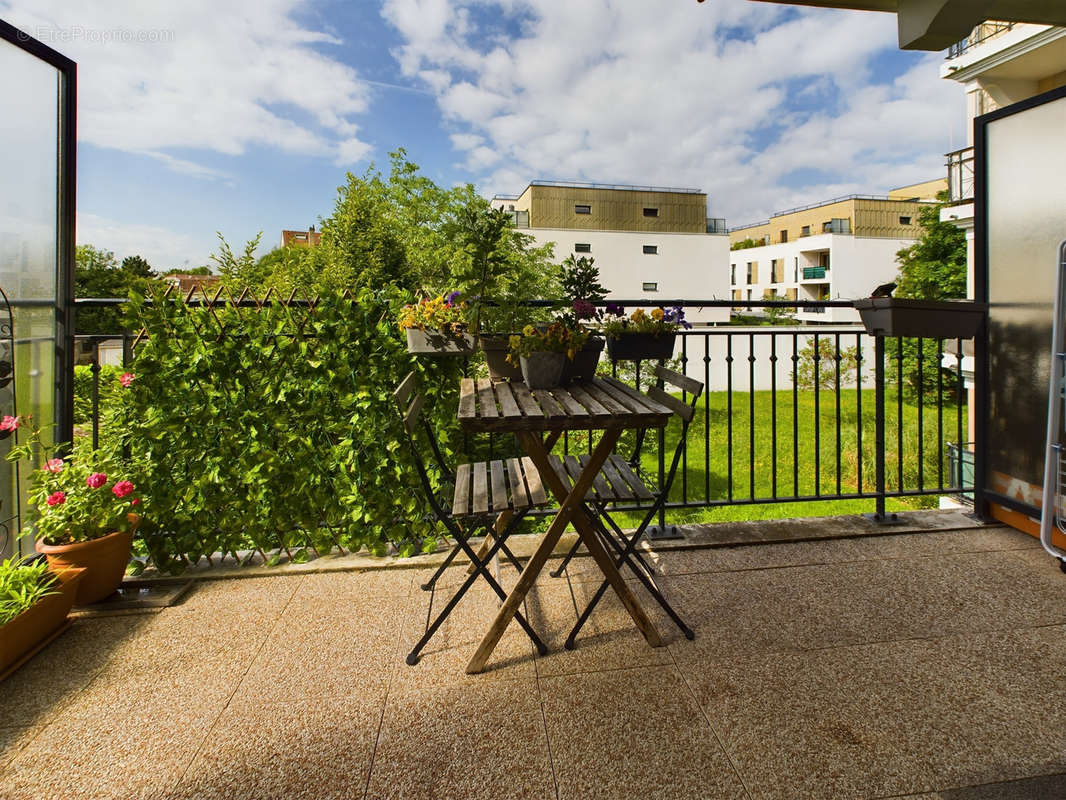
pixel 583 366
pixel 931 319
pixel 496 349
pixel 435 342
pixel 543 370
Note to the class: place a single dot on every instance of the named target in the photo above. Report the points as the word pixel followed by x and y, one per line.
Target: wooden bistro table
pixel 538 418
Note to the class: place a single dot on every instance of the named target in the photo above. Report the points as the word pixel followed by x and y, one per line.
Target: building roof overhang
pixel 937 24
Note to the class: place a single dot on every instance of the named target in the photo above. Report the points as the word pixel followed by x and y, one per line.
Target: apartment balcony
pixel 960 176
pixel 982 33
pixel 814 275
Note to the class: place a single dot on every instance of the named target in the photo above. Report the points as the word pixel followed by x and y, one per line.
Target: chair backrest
pixel 685 410
pixel 410 405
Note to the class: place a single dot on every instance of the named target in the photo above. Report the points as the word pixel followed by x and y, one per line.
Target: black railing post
pixel 879 515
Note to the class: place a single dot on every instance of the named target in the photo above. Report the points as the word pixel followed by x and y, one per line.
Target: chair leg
pixel 624 557
pixel 566 560
pixel 481 569
pixel 440 570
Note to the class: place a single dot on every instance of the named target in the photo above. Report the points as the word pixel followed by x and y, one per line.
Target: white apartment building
pixel 840 249
pixel 648 242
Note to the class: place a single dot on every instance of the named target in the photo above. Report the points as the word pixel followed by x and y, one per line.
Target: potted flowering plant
pixel 642 335
pixel 542 354
pixel 437 326
pixel 34 603
pixel 86 514
pixel 580 279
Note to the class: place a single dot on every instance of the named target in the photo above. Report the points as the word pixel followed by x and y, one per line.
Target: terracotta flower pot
pixel 21 637
pixel 104 561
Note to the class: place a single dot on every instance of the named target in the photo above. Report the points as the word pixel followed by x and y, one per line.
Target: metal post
pixel 879 516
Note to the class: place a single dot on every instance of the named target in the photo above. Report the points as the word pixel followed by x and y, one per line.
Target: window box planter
pixel 496 349
pixel 931 319
pixel 435 342
pixel 29 632
pixel 583 366
pixel 543 370
pixel 641 346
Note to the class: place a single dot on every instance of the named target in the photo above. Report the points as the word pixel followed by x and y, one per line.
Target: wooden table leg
pixel 571 508
pixel 586 530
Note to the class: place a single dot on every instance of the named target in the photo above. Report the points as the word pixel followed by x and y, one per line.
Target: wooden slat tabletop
pixel 593 405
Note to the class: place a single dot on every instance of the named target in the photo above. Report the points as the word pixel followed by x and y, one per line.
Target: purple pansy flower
pixel 615 309
pixel 451 297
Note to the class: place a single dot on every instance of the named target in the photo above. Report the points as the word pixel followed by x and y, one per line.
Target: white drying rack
pixel 1053 513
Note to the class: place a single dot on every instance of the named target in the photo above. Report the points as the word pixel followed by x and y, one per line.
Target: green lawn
pixel 762 437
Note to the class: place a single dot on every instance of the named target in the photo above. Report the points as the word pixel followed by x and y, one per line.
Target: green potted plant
pixel 437 326
pixel 542 353
pixel 580 280
pixel 643 334
pixel 87 513
pixel 34 604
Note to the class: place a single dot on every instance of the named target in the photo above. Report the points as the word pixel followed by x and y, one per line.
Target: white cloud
pixel 202 75
pixel 161 247
pixel 716 95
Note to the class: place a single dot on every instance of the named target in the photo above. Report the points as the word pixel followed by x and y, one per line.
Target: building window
pixel 582 247
pixel 651 212
pixel 650 286
pixel 795 270
pixel 784 236
pixel 579 209
pixel 904 220
pixel 732 273
pixel 750 273
pixel 651 249
pixel 805 231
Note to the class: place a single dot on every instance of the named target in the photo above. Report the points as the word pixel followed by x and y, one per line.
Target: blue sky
pixel 249 123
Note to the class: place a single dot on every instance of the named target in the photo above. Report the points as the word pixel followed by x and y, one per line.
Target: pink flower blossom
pixel 136 501
pixel 126 378
pixel 54 465
pixel 56 498
pixel 9 423
pixel 96 480
pixel 122 488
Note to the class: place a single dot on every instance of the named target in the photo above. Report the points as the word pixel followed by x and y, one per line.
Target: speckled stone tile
pixel 282 749
pixel 608 640
pixel 978 708
pixel 13 739
pixel 444 659
pixel 241 597
pixel 1045 787
pixel 104 757
pixel 633 733
pixel 797 725
pixel 43 686
pixel 463 742
pixel 731 614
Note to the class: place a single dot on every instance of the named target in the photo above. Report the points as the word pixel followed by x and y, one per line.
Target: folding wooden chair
pixel 621 480
pixel 485 493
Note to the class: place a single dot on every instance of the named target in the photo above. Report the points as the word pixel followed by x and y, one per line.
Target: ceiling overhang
pixel 938 24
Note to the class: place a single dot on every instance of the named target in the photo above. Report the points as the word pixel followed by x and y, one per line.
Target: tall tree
pixel 97 273
pixel 933 268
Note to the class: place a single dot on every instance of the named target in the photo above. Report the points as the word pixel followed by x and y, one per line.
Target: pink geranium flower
pixel 54 465
pixel 9 423
pixel 135 501
pixel 56 498
pixel 96 480
pixel 126 378
pixel 122 488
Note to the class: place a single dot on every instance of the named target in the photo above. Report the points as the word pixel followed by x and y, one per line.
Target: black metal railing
pixel 960 175
pixel 790 414
pixel 982 33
